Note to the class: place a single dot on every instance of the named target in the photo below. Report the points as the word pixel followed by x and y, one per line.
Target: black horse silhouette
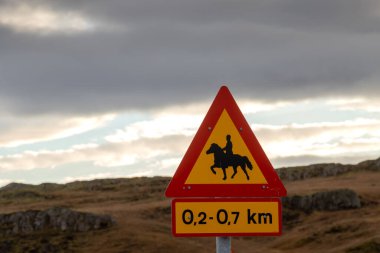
pixel 221 160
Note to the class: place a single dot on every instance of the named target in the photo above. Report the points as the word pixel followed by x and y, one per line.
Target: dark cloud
pixel 169 51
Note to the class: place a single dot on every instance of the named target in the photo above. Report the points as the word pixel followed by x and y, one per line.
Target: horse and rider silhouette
pixel 224 158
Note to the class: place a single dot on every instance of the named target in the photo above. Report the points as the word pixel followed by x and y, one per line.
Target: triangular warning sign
pixel 225 159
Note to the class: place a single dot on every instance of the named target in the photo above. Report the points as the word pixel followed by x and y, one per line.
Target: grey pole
pixel 223 244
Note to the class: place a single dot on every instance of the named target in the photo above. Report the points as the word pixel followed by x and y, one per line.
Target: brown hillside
pixel 143 219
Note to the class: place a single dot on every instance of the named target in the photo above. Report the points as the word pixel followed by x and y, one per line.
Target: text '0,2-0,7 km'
pixel 228 217
pixel 222 217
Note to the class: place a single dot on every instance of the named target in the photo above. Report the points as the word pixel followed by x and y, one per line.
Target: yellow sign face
pixel 206 217
pixel 225 159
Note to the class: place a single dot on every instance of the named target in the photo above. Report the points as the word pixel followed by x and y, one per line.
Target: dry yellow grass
pixel 143 218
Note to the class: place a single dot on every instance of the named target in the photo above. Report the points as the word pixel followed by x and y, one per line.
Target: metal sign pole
pixel 223 244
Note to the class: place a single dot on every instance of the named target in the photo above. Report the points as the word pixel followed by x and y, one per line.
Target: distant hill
pixel 329 208
pixel 286 173
pixel 326 170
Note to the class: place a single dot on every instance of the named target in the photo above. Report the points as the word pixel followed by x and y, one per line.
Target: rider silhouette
pixel 228 147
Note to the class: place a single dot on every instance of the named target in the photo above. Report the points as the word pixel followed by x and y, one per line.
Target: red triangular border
pixel 177 186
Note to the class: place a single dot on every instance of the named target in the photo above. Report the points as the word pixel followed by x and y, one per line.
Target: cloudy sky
pixel 100 89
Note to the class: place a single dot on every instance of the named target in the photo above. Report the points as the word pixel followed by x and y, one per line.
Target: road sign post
pixel 225 185
pixel 223 244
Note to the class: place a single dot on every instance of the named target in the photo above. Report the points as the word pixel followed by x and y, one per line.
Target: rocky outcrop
pixel 57 218
pixel 325 170
pixel 316 170
pixel 323 201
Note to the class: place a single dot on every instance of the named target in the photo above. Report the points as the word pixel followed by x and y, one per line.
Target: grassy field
pixel 143 218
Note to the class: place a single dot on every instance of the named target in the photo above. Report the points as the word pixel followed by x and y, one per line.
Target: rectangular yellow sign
pixel 226 217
